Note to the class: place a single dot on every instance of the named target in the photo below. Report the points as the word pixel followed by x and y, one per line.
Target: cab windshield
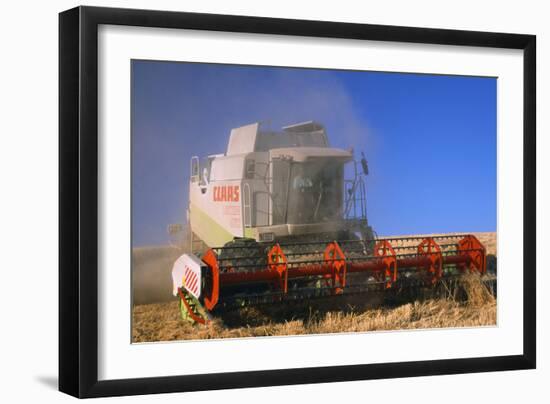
pixel 315 192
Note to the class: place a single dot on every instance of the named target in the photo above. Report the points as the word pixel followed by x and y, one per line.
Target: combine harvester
pixel 274 220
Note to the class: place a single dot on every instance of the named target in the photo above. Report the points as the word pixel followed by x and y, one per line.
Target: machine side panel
pixel 215 204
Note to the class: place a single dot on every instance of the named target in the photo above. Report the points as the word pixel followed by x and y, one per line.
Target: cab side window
pixel 250 169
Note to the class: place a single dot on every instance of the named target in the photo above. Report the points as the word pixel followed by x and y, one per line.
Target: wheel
pixel 242 255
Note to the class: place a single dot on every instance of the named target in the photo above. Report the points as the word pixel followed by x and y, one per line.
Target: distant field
pixel 156 314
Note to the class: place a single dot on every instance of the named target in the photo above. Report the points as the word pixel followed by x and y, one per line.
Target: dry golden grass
pixel 161 322
pixel 473 306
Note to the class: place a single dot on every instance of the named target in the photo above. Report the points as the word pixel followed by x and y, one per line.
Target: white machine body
pixel 268 186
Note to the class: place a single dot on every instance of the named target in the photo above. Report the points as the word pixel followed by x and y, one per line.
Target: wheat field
pixel 475 306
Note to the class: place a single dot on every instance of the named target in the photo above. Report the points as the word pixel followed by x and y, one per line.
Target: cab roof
pixel 302 154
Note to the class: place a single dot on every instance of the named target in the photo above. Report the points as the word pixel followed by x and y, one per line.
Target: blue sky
pixel 430 140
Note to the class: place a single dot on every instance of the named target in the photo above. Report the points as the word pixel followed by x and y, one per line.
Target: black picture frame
pixel 78 201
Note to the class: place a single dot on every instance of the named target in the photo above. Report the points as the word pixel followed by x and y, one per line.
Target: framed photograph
pixel 251 201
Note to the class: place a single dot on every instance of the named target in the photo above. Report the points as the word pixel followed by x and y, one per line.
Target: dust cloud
pixel 151 273
pixel 284 100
